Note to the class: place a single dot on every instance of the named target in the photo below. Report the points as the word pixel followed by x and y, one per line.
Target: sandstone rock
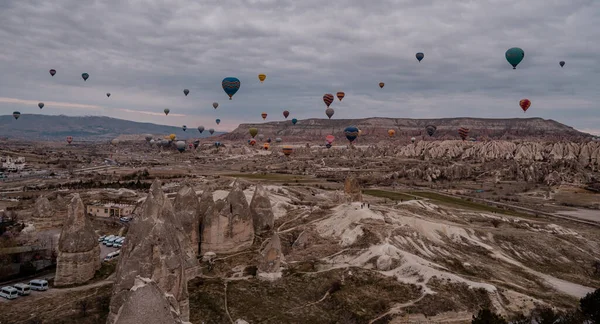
pixel 186 206
pixel 384 263
pixel 153 251
pixel 352 189
pixel 78 248
pixel 271 256
pixel 261 211
pixel 45 215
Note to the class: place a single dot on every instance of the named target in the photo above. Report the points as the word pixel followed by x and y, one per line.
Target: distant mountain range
pixel 89 128
pixel 376 128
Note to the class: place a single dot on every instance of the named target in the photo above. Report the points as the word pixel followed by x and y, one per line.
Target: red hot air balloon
pixel 69 139
pixel 264 115
pixel 328 99
pixel 286 114
pixel 525 104
pixel 341 95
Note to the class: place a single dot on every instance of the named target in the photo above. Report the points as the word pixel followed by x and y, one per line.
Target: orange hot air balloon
pixel 264 115
pixel 69 139
pixel 262 77
pixel 341 95
pixel 266 146
pixel 287 150
pixel 525 104
pixel 391 132
pixel 381 84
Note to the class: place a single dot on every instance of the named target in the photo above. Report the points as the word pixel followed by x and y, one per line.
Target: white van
pixel 38 284
pixel 112 255
pixel 23 289
pixel 108 238
pixel 9 292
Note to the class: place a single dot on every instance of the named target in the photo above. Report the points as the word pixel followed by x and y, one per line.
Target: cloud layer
pixel 146 52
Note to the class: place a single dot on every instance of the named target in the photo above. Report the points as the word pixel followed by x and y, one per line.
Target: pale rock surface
pixel 186 206
pixel 261 211
pixel 271 256
pixel 352 189
pixel 78 248
pixel 154 251
pixel 45 215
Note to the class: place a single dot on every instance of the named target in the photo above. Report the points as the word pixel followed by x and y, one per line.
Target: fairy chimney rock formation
pixel 78 248
pixel 146 303
pixel 352 189
pixel 186 206
pixel 45 215
pixel 227 227
pixel 153 251
pixel 261 211
pixel 271 257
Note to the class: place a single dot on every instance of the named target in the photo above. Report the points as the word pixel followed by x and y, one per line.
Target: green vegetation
pixel 458 202
pixel 393 195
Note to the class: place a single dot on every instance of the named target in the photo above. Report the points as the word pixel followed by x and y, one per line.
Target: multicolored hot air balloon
pixel 211 131
pixel 41 105
pixel 525 104
pixel 196 143
pixel 266 146
pixel 52 72
pixel 231 85
pixel 167 110
pixel 514 56
pixel 329 112
pixel 328 99
pixel 108 94
pixel 262 77
pixel 190 145
pixel 286 114
pixel 85 76
pixel 341 95
pixel 351 133
pixel 287 150
pixel 253 131
pixel 329 139
pixel 218 121
pixel 217 144
pixel 252 142
pixel 391 133
pixel 430 129
pixel 215 105
pixel 381 84
pixel 201 129
pixel 186 92
pixel 16 114
pixel 463 133
pixel 184 128
pixel 69 139
pixel 263 115
pixel 278 140
pixel 561 63
pixel 180 146
pixel 294 121
pixel 419 56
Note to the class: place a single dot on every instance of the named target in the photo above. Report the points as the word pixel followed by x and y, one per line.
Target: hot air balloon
pixel 294 121
pixel 190 145
pixel 261 137
pixel 184 128
pixel 341 95
pixel 329 139
pixel 231 85
pixel 115 142
pixel 41 105
pixel 391 133
pixel 217 144
pixel 215 105
pixel 329 112
pixel 211 131
pixel 186 92
pixel 562 63
pixel 463 133
pixel 278 140
pixel 381 84
pixel 85 76
pixel 218 121
pixel 430 129
pixel 266 146
pixel 286 114
pixel 525 104
pixel 420 56
pixel 152 141
pixel 253 131
pixel 52 72
pixel 163 142
pixel 172 137
pixel 167 110
pixel 201 129
pixel 69 139
pixel 359 132
pixel 412 139
pixel 287 150
pixel 196 144
pixel 252 142
pixel 148 138
pixel 328 145
pixel 16 114
pixel 514 56
pixel 262 77
pixel 269 140
pixel 328 99
pixel 108 94
pixel 264 115
pixel 180 146
pixel 351 133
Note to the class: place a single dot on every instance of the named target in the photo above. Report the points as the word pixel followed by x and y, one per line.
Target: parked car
pixel 9 292
pixel 125 219
pixel 101 238
pixel 112 255
pixel 38 284
pixel 23 289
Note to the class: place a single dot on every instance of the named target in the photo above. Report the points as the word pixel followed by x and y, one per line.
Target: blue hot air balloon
pixel 351 133
pixel 217 144
pixel 230 85
pixel 218 121
pixel 294 121
pixel 420 56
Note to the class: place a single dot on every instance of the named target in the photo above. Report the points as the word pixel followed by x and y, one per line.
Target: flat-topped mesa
pixel 153 251
pixel 352 189
pixel 146 303
pixel 261 211
pixel 186 207
pixel 271 257
pixel 78 248
pixel 227 227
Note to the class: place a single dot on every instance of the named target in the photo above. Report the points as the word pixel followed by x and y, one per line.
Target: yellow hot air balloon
pixel 359 132
pixel 172 137
pixel 262 77
pixel 391 132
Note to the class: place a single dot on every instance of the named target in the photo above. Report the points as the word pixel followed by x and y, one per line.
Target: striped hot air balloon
pixel 328 99
pixel 287 150
pixel 381 84
pixel 525 104
pixel 341 95
pixel 463 133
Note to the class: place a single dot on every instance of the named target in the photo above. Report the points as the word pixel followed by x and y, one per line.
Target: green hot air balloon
pixel 253 131
pixel 85 76
pixel 514 56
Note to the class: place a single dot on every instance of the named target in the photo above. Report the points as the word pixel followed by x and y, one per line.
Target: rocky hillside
pixel 376 129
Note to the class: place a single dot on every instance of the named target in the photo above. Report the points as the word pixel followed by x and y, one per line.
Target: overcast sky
pixel 146 52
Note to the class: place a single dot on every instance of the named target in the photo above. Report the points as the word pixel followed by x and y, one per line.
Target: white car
pixel 9 292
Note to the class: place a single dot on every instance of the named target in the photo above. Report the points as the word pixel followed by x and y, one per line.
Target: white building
pixel 110 210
